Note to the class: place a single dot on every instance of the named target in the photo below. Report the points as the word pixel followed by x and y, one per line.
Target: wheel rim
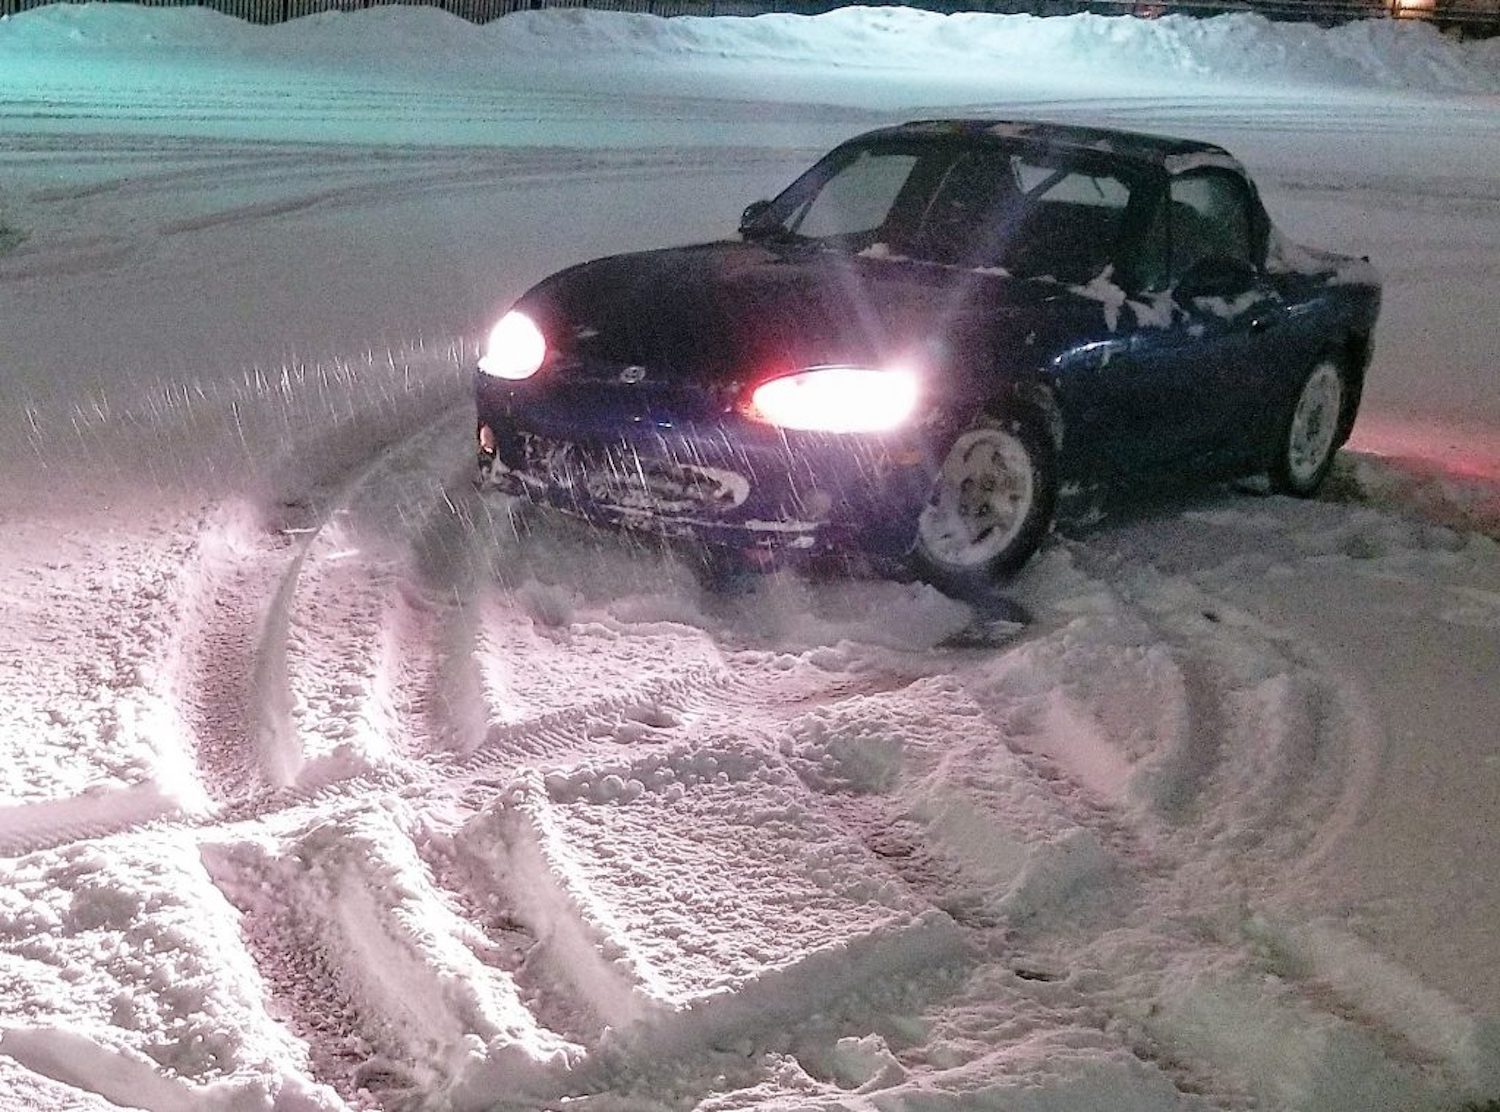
pixel 1315 423
pixel 982 498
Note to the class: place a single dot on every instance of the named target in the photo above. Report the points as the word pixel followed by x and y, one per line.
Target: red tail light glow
pixel 516 348
pixel 838 399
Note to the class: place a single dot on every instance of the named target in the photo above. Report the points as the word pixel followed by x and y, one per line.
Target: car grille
pixel 619 476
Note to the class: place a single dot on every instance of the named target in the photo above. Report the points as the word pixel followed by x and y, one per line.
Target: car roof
pixel 1174 155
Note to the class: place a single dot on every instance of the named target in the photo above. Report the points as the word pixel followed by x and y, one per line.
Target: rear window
pixel 1069 222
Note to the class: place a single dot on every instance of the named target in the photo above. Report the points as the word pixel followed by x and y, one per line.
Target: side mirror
pixel 1216 276
pixel 752 216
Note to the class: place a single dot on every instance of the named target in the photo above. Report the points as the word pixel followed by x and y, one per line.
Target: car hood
pixel 725 313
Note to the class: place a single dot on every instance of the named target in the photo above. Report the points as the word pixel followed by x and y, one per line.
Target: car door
pixel 1203 356
pixel 1075 226
pixel 1129 380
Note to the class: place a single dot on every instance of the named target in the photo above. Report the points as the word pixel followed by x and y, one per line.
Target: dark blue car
pixel 925 338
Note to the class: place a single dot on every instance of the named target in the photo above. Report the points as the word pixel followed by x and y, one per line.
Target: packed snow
pixel 328 783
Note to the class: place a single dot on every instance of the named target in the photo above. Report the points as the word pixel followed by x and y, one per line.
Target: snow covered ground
pixel 325 784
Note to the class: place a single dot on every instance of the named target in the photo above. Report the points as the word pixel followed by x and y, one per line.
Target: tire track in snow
pixel 1088 869
pixel 109 663
pixel 264 627
pixel 1266 763
pixel 1130 861
pixel 558 740
pixel 244 184
pixel 222 647
pixel 427 182
pixel 223 659
pixel 226 647
pixel 1013 854
pixel 252 584
pixel 1288 779
pixel 277 684
pixel 1267 733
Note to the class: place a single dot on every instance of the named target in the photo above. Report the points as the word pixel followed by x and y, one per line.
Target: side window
pixel 1073 188
pixel 1209 216
pixel 971 180
pixel 858 198
pixel 968 198
pixel 1069 222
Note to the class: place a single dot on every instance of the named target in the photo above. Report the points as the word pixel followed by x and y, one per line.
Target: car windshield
pixel 980 205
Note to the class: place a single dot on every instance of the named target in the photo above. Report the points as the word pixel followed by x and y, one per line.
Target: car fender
pixel 1032 400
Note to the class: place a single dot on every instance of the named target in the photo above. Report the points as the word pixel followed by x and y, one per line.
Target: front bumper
pixel 717 478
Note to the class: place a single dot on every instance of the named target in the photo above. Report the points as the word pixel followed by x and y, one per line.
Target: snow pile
pixel 1375 53
pixel 1378 53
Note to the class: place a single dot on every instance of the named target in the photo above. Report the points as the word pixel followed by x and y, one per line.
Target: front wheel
pixel 991 505
pixel 1310 435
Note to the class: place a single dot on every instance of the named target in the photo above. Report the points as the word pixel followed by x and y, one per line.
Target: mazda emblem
pixel 633 374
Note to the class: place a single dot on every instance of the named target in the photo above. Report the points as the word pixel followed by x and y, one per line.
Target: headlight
pixel 515 349
pixel 837 399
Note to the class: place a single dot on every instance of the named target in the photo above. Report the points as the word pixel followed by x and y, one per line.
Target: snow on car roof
pixel 1172 153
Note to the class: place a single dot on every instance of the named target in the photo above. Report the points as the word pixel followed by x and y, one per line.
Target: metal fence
pixel 482 11
pixel 1468 17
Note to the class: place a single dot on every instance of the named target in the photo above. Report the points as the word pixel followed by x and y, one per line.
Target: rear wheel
pixel 1310 434
pixel 990 506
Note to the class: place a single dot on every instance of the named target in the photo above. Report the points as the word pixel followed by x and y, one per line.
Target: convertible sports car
pixel 923 340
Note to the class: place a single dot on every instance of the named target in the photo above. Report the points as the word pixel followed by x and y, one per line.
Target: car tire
pixel 991 504
pixel 1309 437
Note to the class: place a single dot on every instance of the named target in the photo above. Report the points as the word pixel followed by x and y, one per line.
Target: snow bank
pixel 1378 53
pixel 1383 54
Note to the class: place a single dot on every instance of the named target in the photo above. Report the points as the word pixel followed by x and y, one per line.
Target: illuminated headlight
pixel 838 399
pixel 515 349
